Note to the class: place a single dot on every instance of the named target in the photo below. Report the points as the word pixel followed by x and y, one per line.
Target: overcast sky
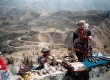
pixel 74 5
pixel 78 4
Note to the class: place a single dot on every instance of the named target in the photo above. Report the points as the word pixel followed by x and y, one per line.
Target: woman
pixel 81 39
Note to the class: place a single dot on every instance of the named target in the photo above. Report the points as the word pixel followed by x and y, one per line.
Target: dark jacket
pixel 75 36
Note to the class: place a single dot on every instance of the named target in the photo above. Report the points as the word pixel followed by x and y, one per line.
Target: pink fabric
pixel 0 77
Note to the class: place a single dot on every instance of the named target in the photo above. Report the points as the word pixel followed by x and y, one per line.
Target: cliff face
pixel 101 33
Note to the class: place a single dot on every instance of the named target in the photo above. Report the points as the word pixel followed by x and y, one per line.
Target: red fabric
pixel 86 37
pixel 2 64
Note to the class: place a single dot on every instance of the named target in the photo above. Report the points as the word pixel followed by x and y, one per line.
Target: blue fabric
pixel 89 64
pixel 40 59
pixel 4 77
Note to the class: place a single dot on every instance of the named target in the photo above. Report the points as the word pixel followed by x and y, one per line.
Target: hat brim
pixel 86 25
pixel 82 23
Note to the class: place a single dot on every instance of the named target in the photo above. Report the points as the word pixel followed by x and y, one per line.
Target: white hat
pixel 45 49
pixel 82 23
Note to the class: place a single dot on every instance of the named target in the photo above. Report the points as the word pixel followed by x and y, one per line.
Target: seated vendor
pixel 42 60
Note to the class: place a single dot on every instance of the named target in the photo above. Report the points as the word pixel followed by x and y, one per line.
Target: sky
pixel 78 4
pixel 74 5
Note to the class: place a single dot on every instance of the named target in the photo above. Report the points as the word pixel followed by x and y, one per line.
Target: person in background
pixel 81 39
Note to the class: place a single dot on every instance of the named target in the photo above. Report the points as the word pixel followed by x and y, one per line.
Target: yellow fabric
pixel 25 77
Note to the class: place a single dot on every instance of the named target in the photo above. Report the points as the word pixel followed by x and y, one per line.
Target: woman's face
pixel 81 32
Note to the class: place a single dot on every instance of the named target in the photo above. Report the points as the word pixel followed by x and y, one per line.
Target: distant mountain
pixel 60 19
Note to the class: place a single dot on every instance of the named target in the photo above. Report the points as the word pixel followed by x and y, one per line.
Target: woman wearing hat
pixel 80 40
